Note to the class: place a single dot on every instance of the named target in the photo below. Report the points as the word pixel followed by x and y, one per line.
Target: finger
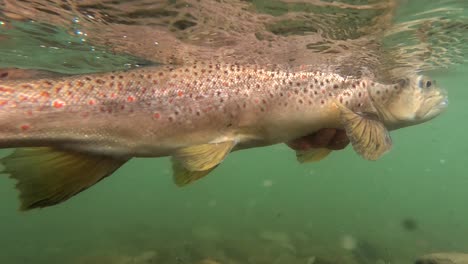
pixel 339 141
pixel 321 138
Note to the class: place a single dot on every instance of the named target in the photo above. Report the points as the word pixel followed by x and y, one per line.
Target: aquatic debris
pixel 409 224
pixel 348 242
pixel 267 183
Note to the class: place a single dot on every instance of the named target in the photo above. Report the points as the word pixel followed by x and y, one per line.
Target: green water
pixel 228 215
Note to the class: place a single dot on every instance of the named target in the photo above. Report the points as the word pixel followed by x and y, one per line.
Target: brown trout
pixel 71 132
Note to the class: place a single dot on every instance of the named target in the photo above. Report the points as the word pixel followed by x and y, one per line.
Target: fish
pixel 70 132
pixel 443 258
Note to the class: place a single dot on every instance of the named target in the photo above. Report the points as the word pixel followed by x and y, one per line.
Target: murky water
pixel 260 205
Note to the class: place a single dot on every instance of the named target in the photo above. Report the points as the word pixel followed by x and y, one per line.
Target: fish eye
pixel 424 83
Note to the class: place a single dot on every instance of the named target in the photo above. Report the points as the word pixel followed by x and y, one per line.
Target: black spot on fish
pixel 4 74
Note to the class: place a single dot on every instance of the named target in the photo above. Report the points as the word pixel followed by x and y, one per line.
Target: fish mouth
pixel 435 105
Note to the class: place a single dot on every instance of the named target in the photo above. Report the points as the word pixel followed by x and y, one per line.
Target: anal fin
pixel 46 176
pixel 194 162
pixel 205 156
pixel 182 176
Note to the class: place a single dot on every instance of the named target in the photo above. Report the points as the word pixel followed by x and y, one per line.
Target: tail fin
pixel 46 176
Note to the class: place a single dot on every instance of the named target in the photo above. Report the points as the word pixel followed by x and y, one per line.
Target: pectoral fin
pixel 367 134
pixel 312 155
pixel 46 176
pixel 203 157
pixel 192 163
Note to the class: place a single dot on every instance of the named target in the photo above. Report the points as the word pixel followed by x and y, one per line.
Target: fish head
pixel 412 100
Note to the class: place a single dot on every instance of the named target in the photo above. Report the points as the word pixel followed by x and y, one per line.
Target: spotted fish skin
pixel 70 132
pixel 154 110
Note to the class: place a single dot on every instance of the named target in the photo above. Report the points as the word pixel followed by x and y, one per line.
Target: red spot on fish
pixel 180 93
pixel 130 99
pixel 6 90
pixel 25 127
pixel 79 84
pixel 58 104
pixel 22 98
pixel 155 82
pixel 45 94
pixel 92 102
pixel 113 95
pixel 156 115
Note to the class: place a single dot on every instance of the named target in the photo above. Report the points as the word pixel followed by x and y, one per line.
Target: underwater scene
pixel 233 132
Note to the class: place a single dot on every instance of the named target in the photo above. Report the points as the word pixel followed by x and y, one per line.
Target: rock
pixel 280 238
pixel 147 257
pixel 208 261
pixel 443 258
